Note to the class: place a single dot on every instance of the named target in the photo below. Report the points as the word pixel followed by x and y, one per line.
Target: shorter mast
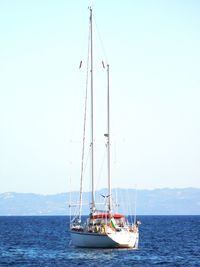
pixel 108 141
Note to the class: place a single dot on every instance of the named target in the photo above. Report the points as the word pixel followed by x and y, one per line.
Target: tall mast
pixel 108 140
pixel 92 118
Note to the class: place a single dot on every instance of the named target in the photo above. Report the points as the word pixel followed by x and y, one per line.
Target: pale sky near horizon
pixel 153 48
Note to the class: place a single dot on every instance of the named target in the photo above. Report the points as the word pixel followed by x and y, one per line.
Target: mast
pixel 92 117
pixel 108 140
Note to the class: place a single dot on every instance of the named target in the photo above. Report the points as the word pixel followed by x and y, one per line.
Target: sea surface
pixel 45 241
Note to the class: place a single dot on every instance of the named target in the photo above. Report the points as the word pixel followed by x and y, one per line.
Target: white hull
pixel 110 240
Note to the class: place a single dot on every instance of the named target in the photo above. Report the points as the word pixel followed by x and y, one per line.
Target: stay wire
pixel 101 42
pixel 84 129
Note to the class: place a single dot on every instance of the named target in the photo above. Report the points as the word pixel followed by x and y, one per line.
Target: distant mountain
pixel 148 202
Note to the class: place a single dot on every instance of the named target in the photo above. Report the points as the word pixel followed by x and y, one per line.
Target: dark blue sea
pixel 45 241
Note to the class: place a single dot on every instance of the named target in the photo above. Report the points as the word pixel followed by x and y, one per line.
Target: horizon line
pixel 117 188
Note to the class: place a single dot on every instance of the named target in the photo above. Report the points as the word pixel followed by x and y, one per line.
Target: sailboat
pixel 103 228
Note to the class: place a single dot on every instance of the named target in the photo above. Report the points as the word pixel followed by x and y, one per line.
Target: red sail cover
pixel 106 215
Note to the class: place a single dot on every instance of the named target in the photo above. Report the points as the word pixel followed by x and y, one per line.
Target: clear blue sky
pixel 153 50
